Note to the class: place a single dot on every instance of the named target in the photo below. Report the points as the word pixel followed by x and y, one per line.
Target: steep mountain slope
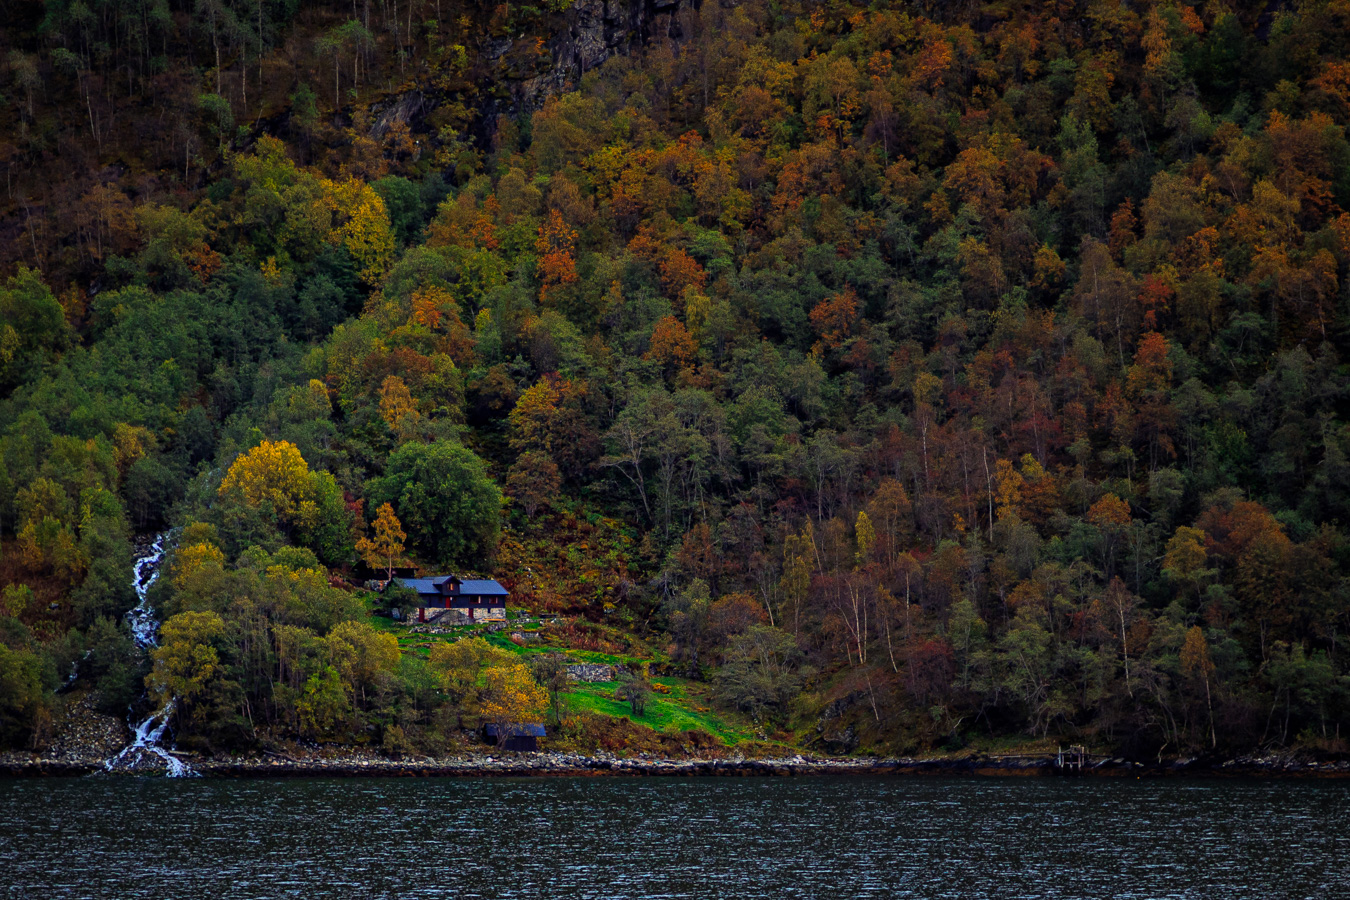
pixel 902 375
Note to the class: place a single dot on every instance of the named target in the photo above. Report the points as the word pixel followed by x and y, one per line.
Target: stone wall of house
pixel 590 672
pixel 442 616
pixel 460 617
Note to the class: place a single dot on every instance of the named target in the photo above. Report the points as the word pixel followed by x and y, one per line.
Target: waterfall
pixel 74 671
pixel 147 736
pixel 148 733
pixel 141 619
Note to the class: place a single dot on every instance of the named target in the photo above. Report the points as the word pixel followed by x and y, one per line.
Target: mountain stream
pixel 148 734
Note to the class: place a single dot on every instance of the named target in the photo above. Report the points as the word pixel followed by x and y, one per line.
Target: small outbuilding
pixel 518 736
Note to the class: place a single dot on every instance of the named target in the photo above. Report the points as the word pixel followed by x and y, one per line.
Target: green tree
pixel 304 109
pixel 26 679
pixel 112 665
pixel 635 691
pixel 760 671
pixel 550 671
pixel 323 705
pixel 324 523
pixel 187 658
pixel 219 118
pixel 32 327
pixel 443 495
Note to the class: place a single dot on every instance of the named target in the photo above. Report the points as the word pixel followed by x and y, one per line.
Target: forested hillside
pixel 907 375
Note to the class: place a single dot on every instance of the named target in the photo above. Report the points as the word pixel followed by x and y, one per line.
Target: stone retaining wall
pixel 590 672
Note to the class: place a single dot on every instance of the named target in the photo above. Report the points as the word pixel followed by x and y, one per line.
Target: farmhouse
pixel 453 600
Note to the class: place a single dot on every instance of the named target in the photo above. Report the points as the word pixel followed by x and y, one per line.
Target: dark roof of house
pixel 485 587
pixel 516 729
pixel 421 585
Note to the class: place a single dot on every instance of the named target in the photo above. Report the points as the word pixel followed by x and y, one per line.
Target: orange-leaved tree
pixel 672 344
pixel 533 481
pixel 386 547
pixel 835 318
pixel 679 270
pixel 1112 516
pixel 556 247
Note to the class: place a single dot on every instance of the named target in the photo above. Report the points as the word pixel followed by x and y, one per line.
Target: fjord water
pixel 102 837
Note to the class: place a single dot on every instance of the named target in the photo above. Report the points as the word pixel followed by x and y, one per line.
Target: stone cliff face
pixel 595 30
pixel 513 80
pixel 599 29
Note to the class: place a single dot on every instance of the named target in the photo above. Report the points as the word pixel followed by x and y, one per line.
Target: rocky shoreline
pixel 86 739
pixel 359 764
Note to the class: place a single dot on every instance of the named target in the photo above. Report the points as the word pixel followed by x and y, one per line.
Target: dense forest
pixel 908 375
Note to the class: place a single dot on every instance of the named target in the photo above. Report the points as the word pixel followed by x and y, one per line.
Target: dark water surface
pixel 697 838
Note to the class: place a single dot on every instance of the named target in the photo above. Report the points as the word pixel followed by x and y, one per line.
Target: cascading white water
pixel 147 736
pixel 141 619
pixel 145 630
pixel 74 670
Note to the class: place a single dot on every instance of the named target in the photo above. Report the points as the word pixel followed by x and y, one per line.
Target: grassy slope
pixel 687 706
pixel 683 709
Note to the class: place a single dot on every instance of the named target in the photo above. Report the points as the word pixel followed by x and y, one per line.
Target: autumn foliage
pixel 935 373
pixel 273 473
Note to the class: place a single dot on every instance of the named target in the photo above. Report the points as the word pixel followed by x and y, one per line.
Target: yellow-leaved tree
pixel 310 504
pixel 359 653
pixel 190 560
pixel 533 417
pixel 47 539
pixel 511 696
pixel 867 538
pixel 186 661
pixel 364 229
pixel 385 548
pixel 399 409
pixel 459 667
pixel 272 472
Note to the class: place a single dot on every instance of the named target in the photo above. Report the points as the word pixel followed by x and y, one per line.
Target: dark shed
pixel 520 736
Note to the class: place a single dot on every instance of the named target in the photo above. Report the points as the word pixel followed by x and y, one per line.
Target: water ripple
pixel 607 839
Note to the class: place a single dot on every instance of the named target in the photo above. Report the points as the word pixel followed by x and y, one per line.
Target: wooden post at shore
pixel 1069 761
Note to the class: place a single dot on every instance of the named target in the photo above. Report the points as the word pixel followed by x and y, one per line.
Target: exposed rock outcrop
pixel 591 32
pixel 85 734
pixel 590 673
pixel 596 30
pixel 405 109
